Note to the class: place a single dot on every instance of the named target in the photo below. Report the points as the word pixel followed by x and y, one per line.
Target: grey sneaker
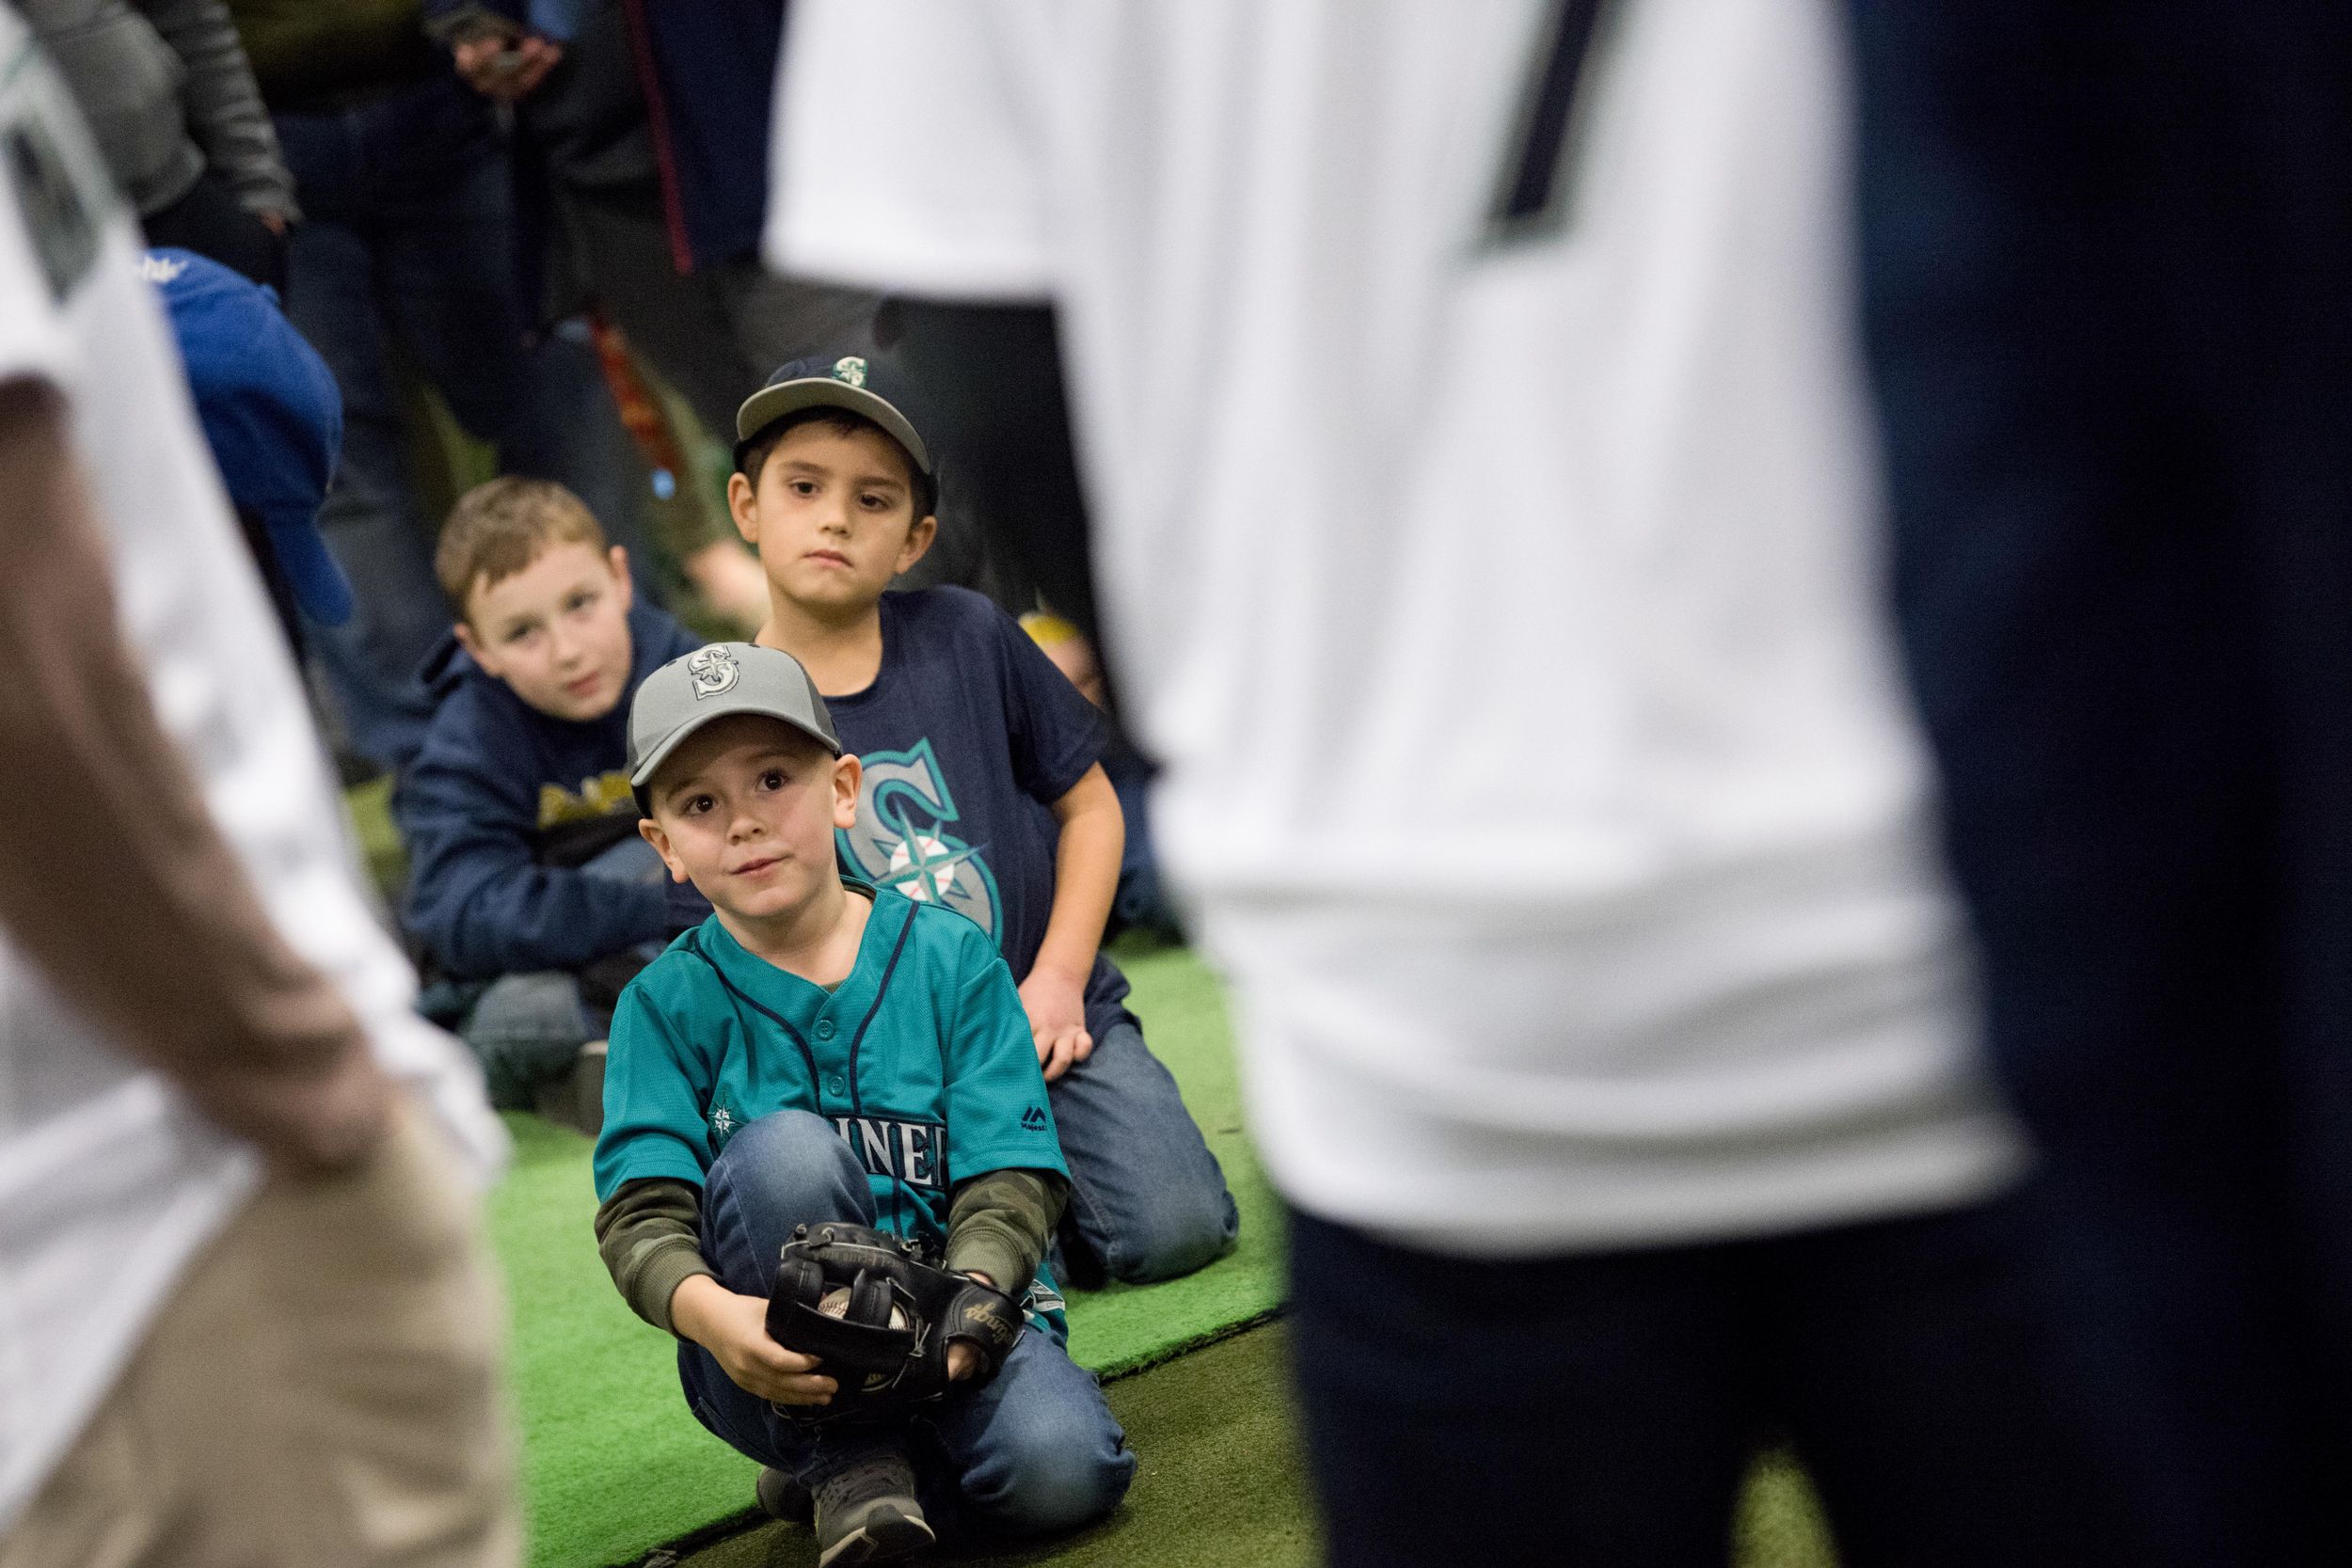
pixel 866 1512
pixel 782 1497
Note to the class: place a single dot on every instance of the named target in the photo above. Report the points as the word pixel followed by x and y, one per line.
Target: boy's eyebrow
pixel 666 793
pixel 878 477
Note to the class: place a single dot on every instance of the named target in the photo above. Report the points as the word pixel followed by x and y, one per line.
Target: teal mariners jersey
pixel 922 1059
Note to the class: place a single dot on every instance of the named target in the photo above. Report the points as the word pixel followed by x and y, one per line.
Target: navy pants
pixel 1600 1410
pixel 528 1028
pixel 405 258
pixel 1034 1451
pixel 2106 249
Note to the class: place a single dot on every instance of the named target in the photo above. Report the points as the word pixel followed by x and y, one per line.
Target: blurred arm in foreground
pixel 111 871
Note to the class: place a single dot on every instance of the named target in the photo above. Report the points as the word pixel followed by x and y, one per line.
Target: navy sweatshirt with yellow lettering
pixel 502 808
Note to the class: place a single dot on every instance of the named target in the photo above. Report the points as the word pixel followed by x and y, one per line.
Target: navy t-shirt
pixel 967 735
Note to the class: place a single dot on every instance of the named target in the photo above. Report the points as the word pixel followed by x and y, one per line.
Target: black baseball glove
pixel 879 1312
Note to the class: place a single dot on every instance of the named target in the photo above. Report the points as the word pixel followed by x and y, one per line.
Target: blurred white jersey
pixel 108 1181
pixel 1486 520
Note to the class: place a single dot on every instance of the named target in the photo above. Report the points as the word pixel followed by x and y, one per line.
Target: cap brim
pixel 317 580
pixel 771 403
pixel 718 707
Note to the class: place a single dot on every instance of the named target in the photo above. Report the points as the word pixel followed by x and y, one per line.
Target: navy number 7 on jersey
pixel 1536 183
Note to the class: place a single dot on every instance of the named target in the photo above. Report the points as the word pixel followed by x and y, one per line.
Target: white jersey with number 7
pixel 1487 515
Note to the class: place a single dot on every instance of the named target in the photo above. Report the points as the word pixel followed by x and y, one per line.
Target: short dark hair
pixel 751 453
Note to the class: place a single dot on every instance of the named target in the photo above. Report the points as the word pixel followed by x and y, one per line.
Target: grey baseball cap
pixel 714 682
pixel 850 381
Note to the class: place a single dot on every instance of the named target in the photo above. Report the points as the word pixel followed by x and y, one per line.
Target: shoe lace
pixel 881 1475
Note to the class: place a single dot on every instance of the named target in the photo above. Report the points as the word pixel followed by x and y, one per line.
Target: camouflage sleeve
pixel 648 1233
pixel 999 1223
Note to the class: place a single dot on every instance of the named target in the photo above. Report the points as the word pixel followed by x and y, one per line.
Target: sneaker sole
pixel 885 1536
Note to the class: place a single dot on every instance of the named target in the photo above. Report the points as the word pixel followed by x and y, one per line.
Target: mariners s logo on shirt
pixel 905 838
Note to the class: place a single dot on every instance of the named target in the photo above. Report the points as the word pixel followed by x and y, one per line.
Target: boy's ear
pixel 650 830
pixel 848 773
pixel 472 644
pixel 617 559
pixel 742 506
pixel 919 537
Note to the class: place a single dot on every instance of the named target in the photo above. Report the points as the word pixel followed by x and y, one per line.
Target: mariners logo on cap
pixel 713 669
pixel 850 368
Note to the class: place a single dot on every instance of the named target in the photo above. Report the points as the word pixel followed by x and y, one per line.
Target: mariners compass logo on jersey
pixel 903 839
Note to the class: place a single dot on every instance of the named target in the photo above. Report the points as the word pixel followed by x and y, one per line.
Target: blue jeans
pixel 1602 1408
pixel 1034 1451
pixel 405 258
pixel 1147 1198
pixel 528 1028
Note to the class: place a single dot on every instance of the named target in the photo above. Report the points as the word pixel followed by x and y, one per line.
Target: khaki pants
pixel 320 1388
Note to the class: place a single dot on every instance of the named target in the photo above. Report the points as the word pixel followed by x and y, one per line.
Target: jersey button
pixel 824 1028
pixel 835 1087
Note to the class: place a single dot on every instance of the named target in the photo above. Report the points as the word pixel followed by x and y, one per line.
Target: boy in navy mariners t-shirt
pixel 983 786
pixel 820 1050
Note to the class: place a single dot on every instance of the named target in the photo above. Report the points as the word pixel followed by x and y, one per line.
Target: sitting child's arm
pixel 646 1234
pixel 999 1224
pixel 1085 879
pixel 478 899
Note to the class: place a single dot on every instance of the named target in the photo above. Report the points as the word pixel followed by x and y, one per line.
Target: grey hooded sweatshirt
pixel 167 92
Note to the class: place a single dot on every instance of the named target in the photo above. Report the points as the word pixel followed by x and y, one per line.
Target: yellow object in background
pixel 1045 629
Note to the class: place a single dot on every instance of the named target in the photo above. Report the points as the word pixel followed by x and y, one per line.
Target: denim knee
pixel 1182 1226
pixel 1147 1195
pixel 785 1159
pixel 1057 1468
pixel 1155 1232
pixel 787 1168
pixel 526 1029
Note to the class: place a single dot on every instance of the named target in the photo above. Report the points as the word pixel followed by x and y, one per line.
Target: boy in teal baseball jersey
pixel 819 1050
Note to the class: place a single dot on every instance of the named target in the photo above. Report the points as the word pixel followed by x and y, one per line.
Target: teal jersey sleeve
pixel 655 1079
pixel 997 1114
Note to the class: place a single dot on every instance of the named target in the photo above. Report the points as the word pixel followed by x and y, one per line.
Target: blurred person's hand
pixel 1057 1020
pixel 337 1124
pixel 732 579
pixel 144 918
pixel 505 68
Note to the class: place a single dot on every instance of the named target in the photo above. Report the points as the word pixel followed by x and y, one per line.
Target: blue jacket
pixel 502 805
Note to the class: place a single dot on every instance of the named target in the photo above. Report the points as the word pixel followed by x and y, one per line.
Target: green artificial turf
pixel 613 1462
pixel 1221 1483
pixel 1218 1478
pixel 386 858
